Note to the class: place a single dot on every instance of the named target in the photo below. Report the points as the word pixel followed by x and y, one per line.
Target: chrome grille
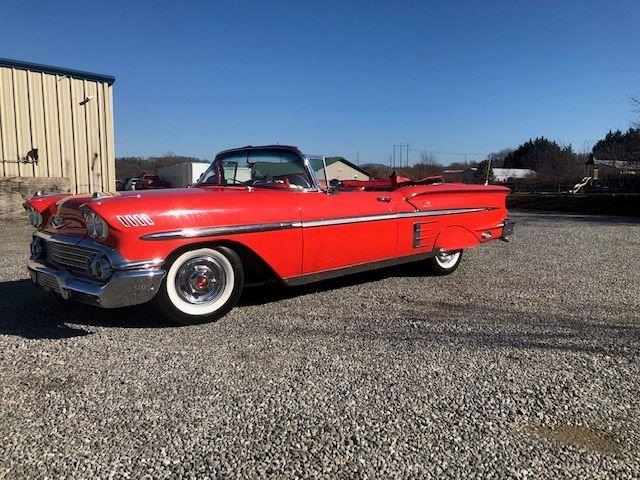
pixel 69 257
pixel 49 281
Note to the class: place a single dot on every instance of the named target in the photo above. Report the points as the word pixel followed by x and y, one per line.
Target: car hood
pixel 157 210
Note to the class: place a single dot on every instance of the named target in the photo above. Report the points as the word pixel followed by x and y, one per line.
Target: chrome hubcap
pixel 200 280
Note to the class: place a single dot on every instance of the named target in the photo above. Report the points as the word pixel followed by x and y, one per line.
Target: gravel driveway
pixel 523 364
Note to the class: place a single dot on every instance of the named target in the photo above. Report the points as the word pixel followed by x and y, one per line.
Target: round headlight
pixel 96 226
pixel 101 227
pixel 90 222
pixel 38 248
pixel 34 217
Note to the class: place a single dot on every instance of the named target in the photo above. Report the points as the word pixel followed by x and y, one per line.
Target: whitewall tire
pixel 201 285
pixel 444 263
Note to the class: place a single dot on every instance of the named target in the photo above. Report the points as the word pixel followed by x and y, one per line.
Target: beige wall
pixel 43 111
pixel 342 171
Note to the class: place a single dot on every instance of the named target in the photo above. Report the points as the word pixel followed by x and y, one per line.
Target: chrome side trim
pixel 141 265
pixel 388 216
pixel 417 231
pixel 215 231
pixel 265 227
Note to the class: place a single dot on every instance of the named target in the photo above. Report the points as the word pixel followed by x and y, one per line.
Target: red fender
pixel 456 238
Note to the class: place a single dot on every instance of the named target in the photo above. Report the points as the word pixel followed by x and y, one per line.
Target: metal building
pixel 342 169
pixel 61 117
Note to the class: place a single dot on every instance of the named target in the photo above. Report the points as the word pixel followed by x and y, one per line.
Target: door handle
pixel 384 199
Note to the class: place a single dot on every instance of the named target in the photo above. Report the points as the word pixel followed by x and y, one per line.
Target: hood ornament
pixel 57 221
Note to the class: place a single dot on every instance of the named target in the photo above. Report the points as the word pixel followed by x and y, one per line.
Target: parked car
pixel 149 181
pixel 131 183
pixel 257 213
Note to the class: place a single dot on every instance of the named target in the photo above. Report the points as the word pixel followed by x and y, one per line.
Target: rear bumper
pixel 124 287
pixel 507 228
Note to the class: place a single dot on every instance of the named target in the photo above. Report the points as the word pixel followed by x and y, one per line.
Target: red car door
pixel 346 228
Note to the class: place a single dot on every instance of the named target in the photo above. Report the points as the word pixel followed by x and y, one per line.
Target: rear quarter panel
pixel 450 231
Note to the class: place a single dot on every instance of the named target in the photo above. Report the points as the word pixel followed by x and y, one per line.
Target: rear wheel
pixel 444 263
pixel 201 285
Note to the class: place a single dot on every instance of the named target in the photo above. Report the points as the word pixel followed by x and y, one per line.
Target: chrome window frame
pixel 312 172
pixel 315 186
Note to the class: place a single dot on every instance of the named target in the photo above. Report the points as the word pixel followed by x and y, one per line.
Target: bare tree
pixel 635 101
pixel 428 159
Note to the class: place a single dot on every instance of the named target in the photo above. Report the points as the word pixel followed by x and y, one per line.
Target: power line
pixel 448 153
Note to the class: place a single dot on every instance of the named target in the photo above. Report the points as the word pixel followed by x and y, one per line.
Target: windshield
pixel 271 168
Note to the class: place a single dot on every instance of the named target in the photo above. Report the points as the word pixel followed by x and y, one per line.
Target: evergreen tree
pixel 619 146
pixel 481 173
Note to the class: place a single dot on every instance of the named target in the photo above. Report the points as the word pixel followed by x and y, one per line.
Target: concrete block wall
pixel 14 190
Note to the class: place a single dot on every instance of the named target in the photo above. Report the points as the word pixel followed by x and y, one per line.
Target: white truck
pixel 183 174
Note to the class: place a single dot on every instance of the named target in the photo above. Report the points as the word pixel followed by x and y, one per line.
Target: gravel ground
pixel 522 364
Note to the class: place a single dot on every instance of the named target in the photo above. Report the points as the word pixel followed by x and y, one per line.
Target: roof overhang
pixel 37 67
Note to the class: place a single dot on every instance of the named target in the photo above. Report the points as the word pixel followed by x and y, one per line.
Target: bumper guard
pixel 507 229
pixel 124 288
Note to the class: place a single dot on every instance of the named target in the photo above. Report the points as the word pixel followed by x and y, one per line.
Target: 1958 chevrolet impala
pixel 257 213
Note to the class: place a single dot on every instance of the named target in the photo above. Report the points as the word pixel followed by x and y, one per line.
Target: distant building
pixel 504 175
pixel 184 174
pixel 339 168
pixel 598 169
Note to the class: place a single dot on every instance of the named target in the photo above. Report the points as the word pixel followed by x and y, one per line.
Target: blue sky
pixel 340 77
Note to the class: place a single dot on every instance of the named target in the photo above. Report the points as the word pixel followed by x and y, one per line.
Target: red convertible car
pixel 257 213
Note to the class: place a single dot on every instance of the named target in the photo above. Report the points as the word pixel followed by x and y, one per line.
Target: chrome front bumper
pixel 128 283
pixel 124 288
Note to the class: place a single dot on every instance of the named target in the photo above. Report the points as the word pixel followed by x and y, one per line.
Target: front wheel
pixel 444 263
pixel 201 285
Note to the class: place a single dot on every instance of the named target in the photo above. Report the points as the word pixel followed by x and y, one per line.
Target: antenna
pixel 486 182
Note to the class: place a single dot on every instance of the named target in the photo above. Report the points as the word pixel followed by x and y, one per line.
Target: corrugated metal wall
pixel 44 111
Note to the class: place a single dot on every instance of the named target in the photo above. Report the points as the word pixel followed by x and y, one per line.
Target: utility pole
pixel 401 147
pixel 358 157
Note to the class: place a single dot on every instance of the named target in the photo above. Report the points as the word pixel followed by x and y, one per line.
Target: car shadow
pixel 273 292
pixel 32 313
pixel 29 312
